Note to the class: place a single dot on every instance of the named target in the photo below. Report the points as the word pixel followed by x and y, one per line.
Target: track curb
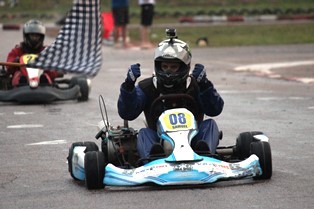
pixel 241 18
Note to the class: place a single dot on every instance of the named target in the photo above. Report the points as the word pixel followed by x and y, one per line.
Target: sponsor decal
pixel 183 167
pixel 179 126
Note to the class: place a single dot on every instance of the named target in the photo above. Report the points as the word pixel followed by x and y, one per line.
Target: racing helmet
pixel 34 27
pixel 172 50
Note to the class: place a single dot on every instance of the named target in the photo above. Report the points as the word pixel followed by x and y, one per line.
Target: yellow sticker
pixel 174 121
pixel 28 58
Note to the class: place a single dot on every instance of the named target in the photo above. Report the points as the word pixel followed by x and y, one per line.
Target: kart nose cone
pixel 33 83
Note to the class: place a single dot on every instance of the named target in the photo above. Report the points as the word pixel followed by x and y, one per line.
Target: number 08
pixel 177 118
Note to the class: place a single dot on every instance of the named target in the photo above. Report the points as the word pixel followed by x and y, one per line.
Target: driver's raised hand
pixel 199 73
pixel 17 59
pixel 133 73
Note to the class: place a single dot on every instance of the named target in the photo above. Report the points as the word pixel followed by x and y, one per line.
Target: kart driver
pixel 172 66
pixel 33 43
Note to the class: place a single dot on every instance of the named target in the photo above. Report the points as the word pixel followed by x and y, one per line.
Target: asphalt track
pixel 34 139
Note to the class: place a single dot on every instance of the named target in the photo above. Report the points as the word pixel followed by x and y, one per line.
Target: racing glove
pixel 17 60
pixel 199 73
pixel 133 73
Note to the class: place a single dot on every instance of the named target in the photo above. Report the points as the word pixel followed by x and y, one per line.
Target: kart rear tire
pixel 90 146
pixel 263 152
pixel 5 83
pixel 104 149
pixel 81 81
pixel 243 144
pixel 94 164
pixel 84 89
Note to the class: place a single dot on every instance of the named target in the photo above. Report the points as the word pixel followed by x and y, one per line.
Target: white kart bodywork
pixel 182 166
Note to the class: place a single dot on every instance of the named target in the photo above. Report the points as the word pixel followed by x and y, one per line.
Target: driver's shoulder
pixel 148 87
pixel 146 83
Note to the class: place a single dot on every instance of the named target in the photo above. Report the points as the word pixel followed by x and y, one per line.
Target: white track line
pixel 25 126
pixel 265 69
pixel 23 113
pixel 48 142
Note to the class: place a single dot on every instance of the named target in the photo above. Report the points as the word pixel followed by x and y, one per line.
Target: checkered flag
pixel 77 48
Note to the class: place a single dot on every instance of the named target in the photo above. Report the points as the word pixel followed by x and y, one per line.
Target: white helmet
pixel 34 27
pixel 172 50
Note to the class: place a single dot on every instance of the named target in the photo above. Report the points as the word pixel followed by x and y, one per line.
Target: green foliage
pixel 240 35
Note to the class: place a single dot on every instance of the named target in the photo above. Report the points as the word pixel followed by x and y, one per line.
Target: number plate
pixel 28 58
pixel 177 119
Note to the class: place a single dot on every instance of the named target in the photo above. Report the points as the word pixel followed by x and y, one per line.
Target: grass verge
pixel 240 34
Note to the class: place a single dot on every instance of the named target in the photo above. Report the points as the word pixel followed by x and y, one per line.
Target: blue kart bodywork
pixel 202 170
pixel 182 166
pixel 161 172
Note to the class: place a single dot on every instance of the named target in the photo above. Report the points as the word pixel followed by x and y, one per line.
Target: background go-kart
pixel 34 139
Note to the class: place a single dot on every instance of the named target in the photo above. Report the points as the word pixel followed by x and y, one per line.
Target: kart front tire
pixel 90 146
pixel 243 144
pixel 94 164
pixel 263 152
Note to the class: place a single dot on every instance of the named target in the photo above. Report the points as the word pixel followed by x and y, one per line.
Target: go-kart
pixel 118 164
pixel 38 87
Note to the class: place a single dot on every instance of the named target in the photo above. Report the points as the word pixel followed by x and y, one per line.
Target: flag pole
pixel 12 64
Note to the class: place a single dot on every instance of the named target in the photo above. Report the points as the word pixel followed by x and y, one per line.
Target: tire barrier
pixel 222 12
pixel 10 16
pixel 247 15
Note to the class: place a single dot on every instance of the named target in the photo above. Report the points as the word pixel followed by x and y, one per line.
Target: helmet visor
pixel 170 67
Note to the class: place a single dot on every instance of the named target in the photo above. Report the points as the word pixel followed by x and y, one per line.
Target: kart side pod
pixel 78 162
